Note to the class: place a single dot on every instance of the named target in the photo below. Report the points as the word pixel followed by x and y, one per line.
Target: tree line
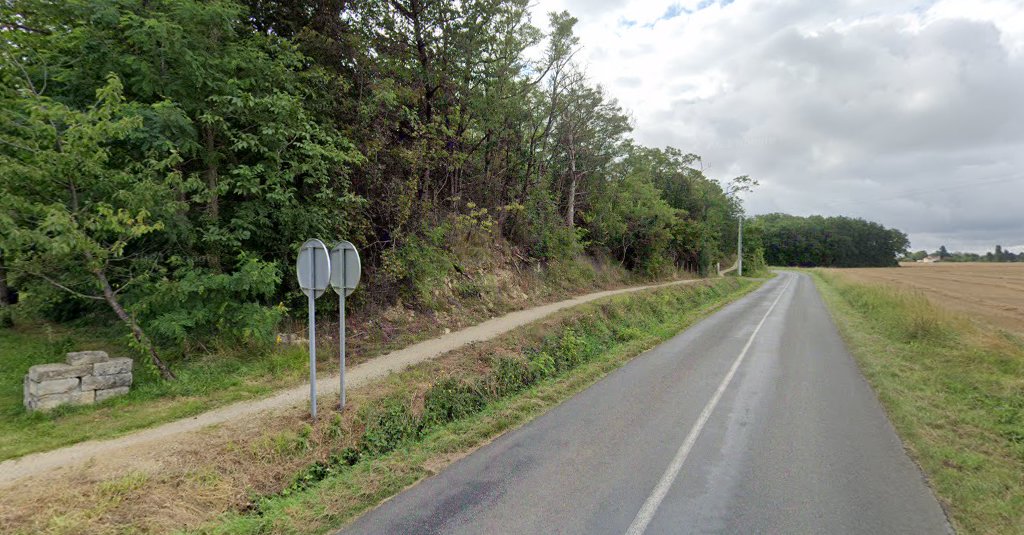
pixel 162 160
pixel 826 241
pixel 998 255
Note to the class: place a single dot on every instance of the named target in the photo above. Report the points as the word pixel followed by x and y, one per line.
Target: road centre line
pixel 650 507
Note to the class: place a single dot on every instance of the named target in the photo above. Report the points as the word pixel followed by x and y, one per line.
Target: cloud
pixel 904 112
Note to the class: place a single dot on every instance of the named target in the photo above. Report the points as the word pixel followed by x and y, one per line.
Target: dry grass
pixel 990 292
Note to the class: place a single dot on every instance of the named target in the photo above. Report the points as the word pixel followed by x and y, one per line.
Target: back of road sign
pixel 313 268
pixel 345 268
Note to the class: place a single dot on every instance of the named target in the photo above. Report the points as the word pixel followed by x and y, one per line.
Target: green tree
pixel 68 209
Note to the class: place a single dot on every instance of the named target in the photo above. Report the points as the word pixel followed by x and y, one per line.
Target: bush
pixel 388 425
pixel 197 304
pixel 511 375
pixel 542 229
pixel 449 400
pixel 419 266
pixel 570 351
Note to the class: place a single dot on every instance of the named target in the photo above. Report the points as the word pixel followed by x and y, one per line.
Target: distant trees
pixel 828 241
pixel 999 255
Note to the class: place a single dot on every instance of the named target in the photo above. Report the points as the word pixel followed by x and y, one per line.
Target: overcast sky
pixel 906 113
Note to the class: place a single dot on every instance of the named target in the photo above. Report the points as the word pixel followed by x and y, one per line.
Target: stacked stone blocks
pixel 87 377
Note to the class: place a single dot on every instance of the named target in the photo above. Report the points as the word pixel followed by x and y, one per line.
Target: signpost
pixel 344 279
pixel 313 268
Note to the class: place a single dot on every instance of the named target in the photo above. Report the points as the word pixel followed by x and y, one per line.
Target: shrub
pixel 388 425
pixel 542 365
pixel 419 266
pixel 511 375
pixel 449 400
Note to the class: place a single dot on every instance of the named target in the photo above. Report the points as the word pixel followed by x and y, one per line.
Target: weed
pixel 449 400
pixel 388 426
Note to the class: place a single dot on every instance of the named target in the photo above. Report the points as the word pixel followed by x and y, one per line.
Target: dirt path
pixel 38 463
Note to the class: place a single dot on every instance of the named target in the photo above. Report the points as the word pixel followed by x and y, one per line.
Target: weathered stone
pixel 102 382
pixel 45 403
pixel 26 395
pixel 87 357
pixel 56 386
pixel 47 372
pixel 113 366
pixel 110 392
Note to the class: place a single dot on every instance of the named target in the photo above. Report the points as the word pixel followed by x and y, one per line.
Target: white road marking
pixel 646 513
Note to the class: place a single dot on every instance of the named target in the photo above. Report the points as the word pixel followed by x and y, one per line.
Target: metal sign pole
pixel 312 341
pixel 341 347
pixel 345 275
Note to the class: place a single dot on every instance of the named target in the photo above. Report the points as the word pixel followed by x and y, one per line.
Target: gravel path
pixel 38 463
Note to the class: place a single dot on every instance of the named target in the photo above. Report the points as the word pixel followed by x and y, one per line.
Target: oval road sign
pixel 313 268
pixel 346 268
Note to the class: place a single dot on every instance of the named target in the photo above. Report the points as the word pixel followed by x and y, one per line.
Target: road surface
pixel 755 420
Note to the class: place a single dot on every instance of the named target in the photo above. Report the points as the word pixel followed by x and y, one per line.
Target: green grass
pixel 954 391
pixel 202 385
pixel 587 345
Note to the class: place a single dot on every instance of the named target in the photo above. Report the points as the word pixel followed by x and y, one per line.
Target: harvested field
pixel 991 293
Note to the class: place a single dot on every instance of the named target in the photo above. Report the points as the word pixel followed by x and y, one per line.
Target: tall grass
pixel 954 390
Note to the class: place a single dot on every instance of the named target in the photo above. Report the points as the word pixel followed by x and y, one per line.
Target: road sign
pixel 344 279
pixel 313 269
pixel 346 267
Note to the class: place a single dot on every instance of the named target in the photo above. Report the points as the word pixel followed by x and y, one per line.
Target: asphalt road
pixel 755 420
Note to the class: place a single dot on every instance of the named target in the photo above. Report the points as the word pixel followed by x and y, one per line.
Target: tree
pixel 67 207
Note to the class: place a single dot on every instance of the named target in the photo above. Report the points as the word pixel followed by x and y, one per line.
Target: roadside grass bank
pixel 280 473
pixel 953 389
pixel 404 435
pixel 218 376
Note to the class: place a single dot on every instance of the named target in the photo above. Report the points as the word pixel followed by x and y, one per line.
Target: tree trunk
pixel 570 211
pixel 140 337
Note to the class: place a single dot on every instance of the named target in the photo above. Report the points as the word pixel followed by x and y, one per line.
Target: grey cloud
pixel 873 121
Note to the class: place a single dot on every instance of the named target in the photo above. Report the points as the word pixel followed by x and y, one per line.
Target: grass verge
pixel 419 423
pixel 954 391
pixel 220 376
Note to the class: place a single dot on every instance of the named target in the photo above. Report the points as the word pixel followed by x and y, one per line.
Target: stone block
pixel 56 386
pixel 45 403
pixel 47 372
pixel 26 394
pixel 87 357
pixel 113 367
pixel 110 392
pixel 103 382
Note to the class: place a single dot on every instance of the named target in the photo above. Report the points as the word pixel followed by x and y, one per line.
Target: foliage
pixel 449 400
pixel 205 140
pixel 828 241
pixel 388 426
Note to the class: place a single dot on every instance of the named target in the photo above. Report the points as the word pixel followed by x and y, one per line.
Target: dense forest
pixel 825 241
pixel 998 255
pixel 162 160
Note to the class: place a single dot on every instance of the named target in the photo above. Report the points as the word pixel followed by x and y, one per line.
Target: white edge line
pixel 646 513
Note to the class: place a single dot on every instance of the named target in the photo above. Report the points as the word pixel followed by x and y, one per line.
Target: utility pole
pixel 739 246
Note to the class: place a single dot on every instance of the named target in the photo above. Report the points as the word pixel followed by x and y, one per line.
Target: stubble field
pixel 991 293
